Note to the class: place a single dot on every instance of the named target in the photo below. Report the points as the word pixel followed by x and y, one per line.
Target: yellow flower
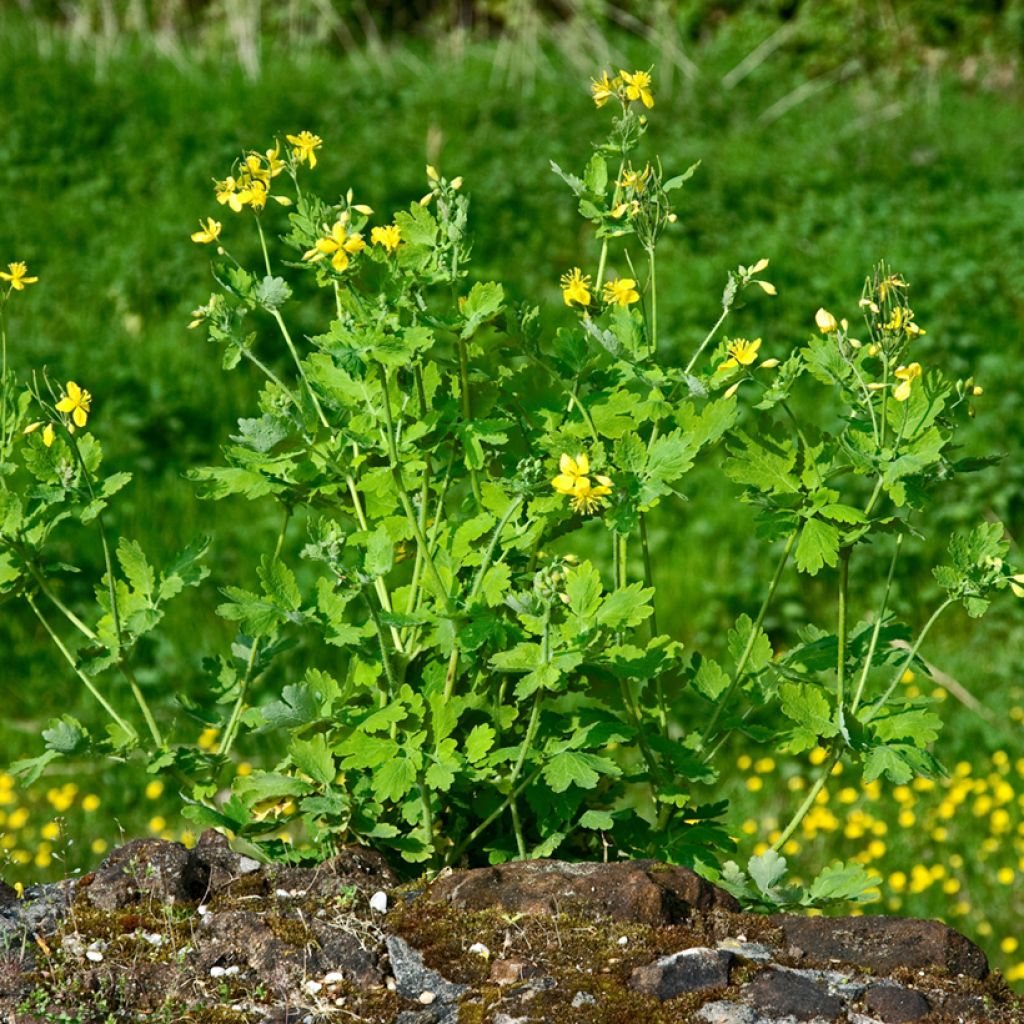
pixel 826 321
pixel 17 274
pixel 892 282
pixel 903 320
pixel 338 244
pixel 227 193
pixel 636 180
pixel 1016 585
pixel 208 232
pixel 576 287
pixel 906 375
pixel 154 790
pixel 390 237
pixel 638 87
pixel 305 146
pixel 76 402
pixel 574 482
pixel 604 88
pixel 50 435
pixel 741 353
pixel 622 292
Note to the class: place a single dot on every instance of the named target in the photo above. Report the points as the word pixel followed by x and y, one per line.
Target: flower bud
pixel 432 172
pixel 457 183
pixel 826 321
pixel 732 389
pixel 769 364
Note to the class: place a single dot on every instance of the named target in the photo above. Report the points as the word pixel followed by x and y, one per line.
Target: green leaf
pixel 761 653
pixel 66 735
pixel 841 883
pixel 279 583
pixel 137 570
pixel 479 742
pixel 380 553
pixel 767 466
pixel 598 821
pixel 583 588
pixel 678 180
pixel 483 303
pixel 920 725
pixel 711 679
pixel 313 758
pixel 571 768
pixel 818 545
pixel 767 870
pixel 272 292
pixel 626 607
pixel 299 705
pixel 393 779
pixel 811 710
pixel 595 177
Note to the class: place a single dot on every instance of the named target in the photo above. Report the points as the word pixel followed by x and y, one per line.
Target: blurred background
pixel 830 133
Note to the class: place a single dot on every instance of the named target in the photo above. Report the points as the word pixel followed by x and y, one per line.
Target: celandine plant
pixel 458 680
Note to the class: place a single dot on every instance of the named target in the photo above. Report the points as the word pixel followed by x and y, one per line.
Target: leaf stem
pixel 745 656
pixel 808 802
pixel 880 615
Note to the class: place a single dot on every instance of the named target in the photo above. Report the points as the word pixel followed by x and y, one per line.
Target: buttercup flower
pixel 49 434
pixel 208 232
pixel 338 244
pixel 903 320
pixel 75 403
pixel 576 287
pixel 826 321
pixel 638 87
pixel 305 145
pixel 741 353
pixel 390 237
pixel 604 88
pixel 906 375
pixel 574 482
pixel 622 291
pixel 17 275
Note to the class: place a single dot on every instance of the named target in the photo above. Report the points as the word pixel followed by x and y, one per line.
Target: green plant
pixel 451 463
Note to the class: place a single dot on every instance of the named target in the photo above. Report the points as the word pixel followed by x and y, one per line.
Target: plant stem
pixel 707 340
pixel 745 656
pixel 883 700
pixel 844 593
pixel 653 332
pixel 603 260
pixel 298 365
pixel 68 614
pixel 389 672
pixel 69 658
pixel 263 246
pixel 802 810
pixel 880 615
pixel 467 412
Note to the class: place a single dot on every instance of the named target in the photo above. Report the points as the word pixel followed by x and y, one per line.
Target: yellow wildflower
pixel 208 232
pixel 826 321
pixel 902 319
pixel 50 435
pixel 305 145
pixel 638 87
pixel 741 353
pixel 389 237
pixel 576 287
pixel 574 482
pixel 227 192
pixel 906 375
pixel 636 180
pixel 604 88
pixel 17 275
pixel 76 403
pixel 622 292
pixel 890 283
pixel 338 244
pixel 1016 586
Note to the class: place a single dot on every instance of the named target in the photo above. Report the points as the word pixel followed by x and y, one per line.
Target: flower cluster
pixel 250 184
pixel 573 481
pixel 628 87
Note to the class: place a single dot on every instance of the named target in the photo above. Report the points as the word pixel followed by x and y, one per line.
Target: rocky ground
pixel 164 934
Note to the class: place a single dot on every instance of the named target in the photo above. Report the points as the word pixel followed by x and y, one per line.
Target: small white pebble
pixel 247 865
pixel 153 938
pixel 233 969
pixel 379 902
pixel 623 940
pixel 312 987
pixel 217 972
pixel 390 984
pixel 282 894
pixel 202 910
pixel 426 998
pixel 94 955
pixel 333 978
pixel 480 949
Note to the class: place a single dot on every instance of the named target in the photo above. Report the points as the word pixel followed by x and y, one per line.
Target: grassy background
pixel 826 141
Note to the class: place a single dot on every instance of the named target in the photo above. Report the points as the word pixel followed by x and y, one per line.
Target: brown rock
pixel 141 869
pixel 687 971
pixel 895 1004
pixel 507 972
pixel 883 943
pixel 779 992
pixel 641 892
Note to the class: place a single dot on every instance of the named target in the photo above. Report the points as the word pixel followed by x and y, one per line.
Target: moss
pixel 290 930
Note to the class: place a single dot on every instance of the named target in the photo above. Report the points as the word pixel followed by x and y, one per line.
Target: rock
pixel 39 911
pixel 752 951
pixel 412 976
pixel 582 999
pixel 884 943
pixel 152 869
pixel 895 1004
pixel 787 993
pixel 640 892
pixel 687 971
pixel 212 865
pixel 724 1012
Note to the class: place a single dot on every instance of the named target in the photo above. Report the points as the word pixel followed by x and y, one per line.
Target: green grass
pixel 103 176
